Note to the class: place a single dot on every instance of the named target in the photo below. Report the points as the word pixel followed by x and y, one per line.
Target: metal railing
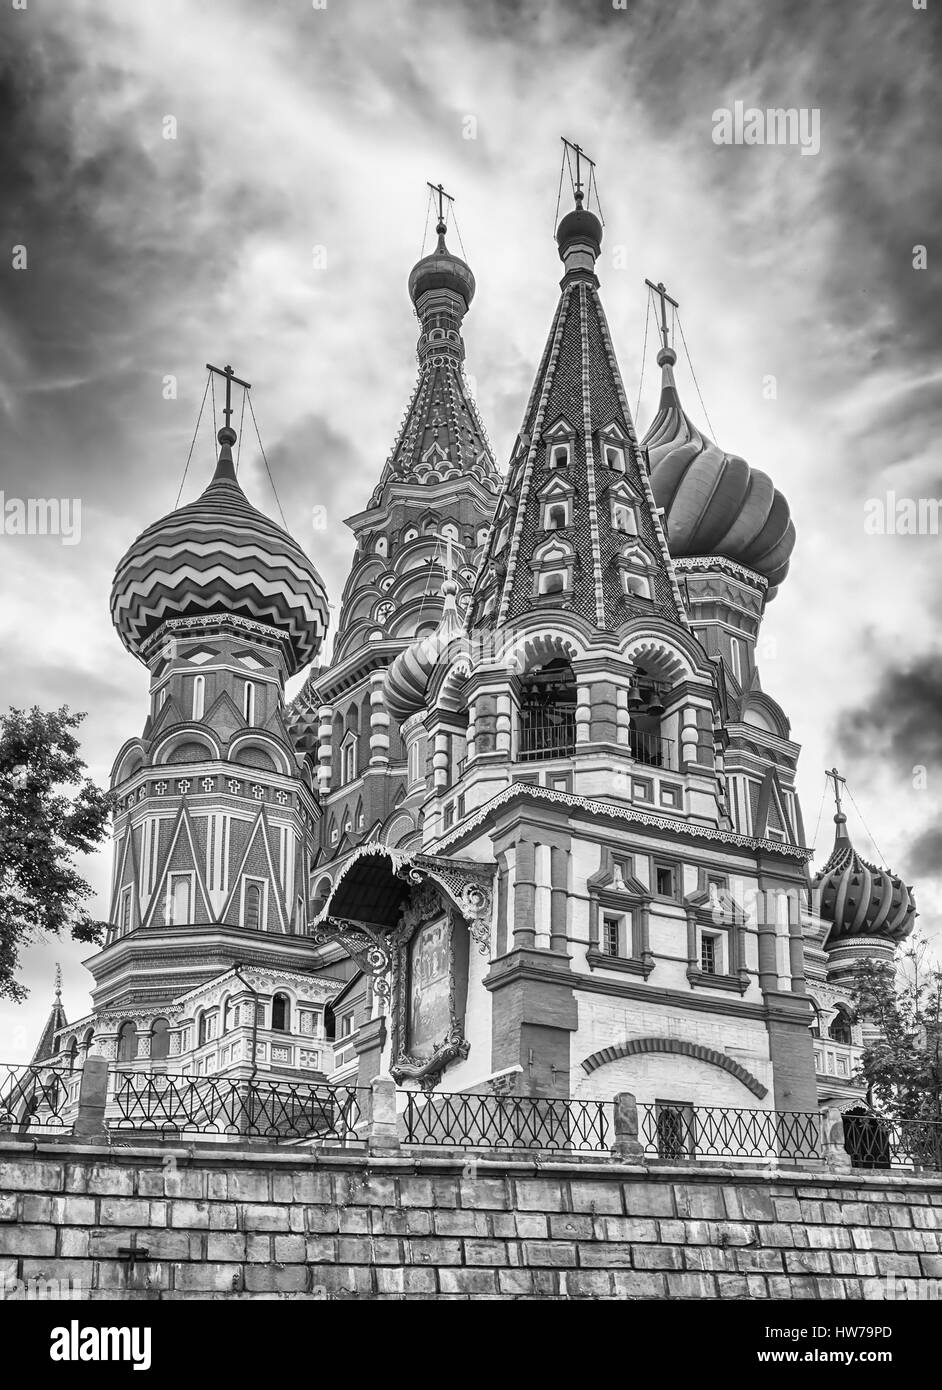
pixel 508 1122
pixel 681 1132
pixel 275 1110
pixel 650 749
pixel 547 731
pixel 875 1142
pixel 32 1097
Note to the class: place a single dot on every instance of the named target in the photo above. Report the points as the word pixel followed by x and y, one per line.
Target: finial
pixel 840 820
pixel 666 355
pixel 441 227
pixel 225 469
pixel 58 981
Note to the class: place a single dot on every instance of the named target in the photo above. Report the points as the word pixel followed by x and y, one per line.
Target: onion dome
pixel 579 225
pixel 715 504
pixel 408 677
pixel 441 271
pixel 216 557
pixel 857 898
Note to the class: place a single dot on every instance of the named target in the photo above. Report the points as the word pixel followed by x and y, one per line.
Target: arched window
pixel 179 899
pixel 253 905
pixel 815 1019
pixel 207 1027
pixel 127 1041
pixel 228 1014
pixel 450 531
pixel 87 1041
pixel 840 1030
pixel 73 1053
pixel 409 535
pixel 281 1014
pixel 159 1040
pixel 199 685
pixel 248 702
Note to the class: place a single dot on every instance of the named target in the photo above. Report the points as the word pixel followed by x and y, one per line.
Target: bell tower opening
pixel 548 712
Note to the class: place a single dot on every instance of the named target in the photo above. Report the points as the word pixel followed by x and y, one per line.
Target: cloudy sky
pixel 300 126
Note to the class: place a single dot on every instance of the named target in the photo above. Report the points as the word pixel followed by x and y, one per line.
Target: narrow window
pixel 610 934
pixel 253 905
pixel 199 684
pixel 708 955
pixel 126 910
pixel 127 1042
pixel 281 1014
pixel 560 456
pixel 179 899
pixel 248 703
pixel 736 653
pixel 664 880
pixel 160 1040
pixel 615 458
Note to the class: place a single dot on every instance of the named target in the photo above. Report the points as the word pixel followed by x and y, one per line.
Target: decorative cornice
pixel 531 791
pixel 687 563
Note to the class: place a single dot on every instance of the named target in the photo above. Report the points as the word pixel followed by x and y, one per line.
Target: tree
pixel 902 1057
pixel 49 812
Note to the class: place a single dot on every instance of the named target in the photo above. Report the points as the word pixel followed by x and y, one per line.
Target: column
pixel 379 722
pixel 524 894
pixel 325 715
pixel 559 898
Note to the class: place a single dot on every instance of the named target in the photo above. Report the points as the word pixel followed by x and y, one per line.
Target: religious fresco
pixel 429 988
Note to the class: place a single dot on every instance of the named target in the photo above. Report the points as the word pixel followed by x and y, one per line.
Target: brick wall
pixel 258 1224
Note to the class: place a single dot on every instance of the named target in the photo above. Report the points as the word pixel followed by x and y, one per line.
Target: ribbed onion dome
pixel 857 898
pixel 217 556
pixel 714 502
pixel 408 677
pixel 441 271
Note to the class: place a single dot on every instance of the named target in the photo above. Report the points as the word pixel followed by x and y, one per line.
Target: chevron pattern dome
pixel 715 504
pixel 220 556
pixel 407 679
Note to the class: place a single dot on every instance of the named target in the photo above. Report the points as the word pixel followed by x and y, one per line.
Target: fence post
pixel 383 1134
pixel 836 1156
pixel 93 1093
pixel 627 1145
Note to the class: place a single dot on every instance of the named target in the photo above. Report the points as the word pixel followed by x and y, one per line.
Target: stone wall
pixel 259 1223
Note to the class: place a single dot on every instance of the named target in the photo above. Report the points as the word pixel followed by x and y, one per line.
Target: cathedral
pixel 534 827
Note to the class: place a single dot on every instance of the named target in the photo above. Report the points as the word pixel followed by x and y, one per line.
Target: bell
pixel 656 707
pixel 635 701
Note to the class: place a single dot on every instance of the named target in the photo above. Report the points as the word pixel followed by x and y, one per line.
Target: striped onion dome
pixel 857 898
pixel 441 271
pixel 715 504
pixel 408 677
pixel 220 556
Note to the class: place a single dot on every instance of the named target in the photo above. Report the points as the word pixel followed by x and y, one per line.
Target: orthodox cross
pixel 442 197
pixel 838 781
pixel 227 372
pixel 581 155
pixel 665 299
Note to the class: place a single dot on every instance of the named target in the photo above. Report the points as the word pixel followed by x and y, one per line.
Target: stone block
pixel 639 1284
pixel 611 1255
pixel 691 1285
pixel 542 1194
pixel 648 1198
pixel 550 1253
pixel 29 1176
pixel 406 1280
pixel 572 1226
pixel 467 1281
pixel 460 1223
pixel 662 1257
pixel 490 1193
pixel 587 1283
pixel 259 1216
pixel 27 1240
pixel 490 1252
pixel 277 1278
pixel 216 1277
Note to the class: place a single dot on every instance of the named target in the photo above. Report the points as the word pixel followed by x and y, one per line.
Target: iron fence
pixel 651 749
pixel 508 1122
pixel 547 731
pixel 32 1097
pixel 681 1132
pixel 876 1142
pixel 275 1110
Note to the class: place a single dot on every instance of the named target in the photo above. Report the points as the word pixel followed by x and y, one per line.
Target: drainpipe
pixel 237 971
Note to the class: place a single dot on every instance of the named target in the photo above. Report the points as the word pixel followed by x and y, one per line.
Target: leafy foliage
pixel 902 1062
pixel 49 812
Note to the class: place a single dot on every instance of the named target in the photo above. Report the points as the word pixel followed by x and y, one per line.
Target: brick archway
pixel 637 1046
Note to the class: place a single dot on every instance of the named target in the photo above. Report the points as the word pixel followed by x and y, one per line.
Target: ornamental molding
pixel 531 791
pixel 688 563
